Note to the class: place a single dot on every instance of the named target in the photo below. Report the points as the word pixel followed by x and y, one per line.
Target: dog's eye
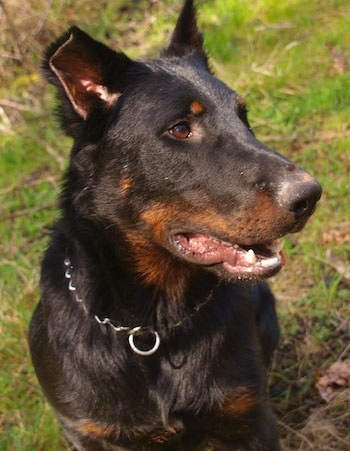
pixel 181 130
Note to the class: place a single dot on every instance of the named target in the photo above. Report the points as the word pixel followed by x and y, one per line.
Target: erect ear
pixel 186 37
pixel 89 72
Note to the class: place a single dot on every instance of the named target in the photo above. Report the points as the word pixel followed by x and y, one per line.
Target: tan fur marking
pixel 163 435
pixel 161 214
pixel 125 184
pixel 197 108
pixel 261 221
pixel 241 102
pixel 241 401
pixel 157 268
pixel 96 429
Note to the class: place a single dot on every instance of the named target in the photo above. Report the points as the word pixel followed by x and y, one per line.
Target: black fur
pixel 166 190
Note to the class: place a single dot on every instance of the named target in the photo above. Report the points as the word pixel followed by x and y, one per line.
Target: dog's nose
pixel 299 195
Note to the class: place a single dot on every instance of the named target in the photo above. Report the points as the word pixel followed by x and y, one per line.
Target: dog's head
pixel 164 155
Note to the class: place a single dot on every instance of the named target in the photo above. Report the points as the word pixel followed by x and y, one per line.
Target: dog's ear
pixel 88 74
pixel 186 38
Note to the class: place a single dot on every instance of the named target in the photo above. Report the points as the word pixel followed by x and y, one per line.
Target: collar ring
pixel 137 331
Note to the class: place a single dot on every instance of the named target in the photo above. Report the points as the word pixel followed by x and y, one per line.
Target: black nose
pixel 299 195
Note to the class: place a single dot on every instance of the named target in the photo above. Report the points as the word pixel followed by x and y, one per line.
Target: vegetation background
pixel 291 61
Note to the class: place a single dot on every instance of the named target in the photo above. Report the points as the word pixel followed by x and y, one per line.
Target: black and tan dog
pixel 146 337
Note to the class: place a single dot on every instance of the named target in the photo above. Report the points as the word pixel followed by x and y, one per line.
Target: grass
pixel 296 80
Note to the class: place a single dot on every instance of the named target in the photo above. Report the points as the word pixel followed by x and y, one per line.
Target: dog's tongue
pixel 207 250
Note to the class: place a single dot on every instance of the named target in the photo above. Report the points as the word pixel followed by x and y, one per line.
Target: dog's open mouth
pixel 254 261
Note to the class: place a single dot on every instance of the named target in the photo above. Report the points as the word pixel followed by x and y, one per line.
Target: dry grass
pixel 324 429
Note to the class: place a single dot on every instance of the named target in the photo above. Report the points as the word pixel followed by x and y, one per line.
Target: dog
pixel 155 326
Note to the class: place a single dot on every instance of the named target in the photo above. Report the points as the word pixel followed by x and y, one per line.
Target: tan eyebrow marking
pixel 196 108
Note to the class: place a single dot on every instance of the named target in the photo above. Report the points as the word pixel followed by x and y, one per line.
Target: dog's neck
pixel 131 330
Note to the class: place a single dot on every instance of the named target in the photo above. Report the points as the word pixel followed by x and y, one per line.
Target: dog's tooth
pixel 250 257
pixel 270 262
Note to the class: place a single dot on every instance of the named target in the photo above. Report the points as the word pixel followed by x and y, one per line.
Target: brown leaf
pixel 337 375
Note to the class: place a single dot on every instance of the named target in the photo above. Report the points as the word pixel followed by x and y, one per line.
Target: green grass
pixel 291 60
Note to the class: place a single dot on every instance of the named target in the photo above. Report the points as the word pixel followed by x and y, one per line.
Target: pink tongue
pixel 210 250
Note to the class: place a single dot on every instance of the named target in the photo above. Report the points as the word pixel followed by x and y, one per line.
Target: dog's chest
pixel 202 383
pixel 193 407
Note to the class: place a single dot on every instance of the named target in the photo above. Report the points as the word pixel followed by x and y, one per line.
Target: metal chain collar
pixel 131 331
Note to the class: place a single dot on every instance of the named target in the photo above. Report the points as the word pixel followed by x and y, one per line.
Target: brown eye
pixel 181 130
